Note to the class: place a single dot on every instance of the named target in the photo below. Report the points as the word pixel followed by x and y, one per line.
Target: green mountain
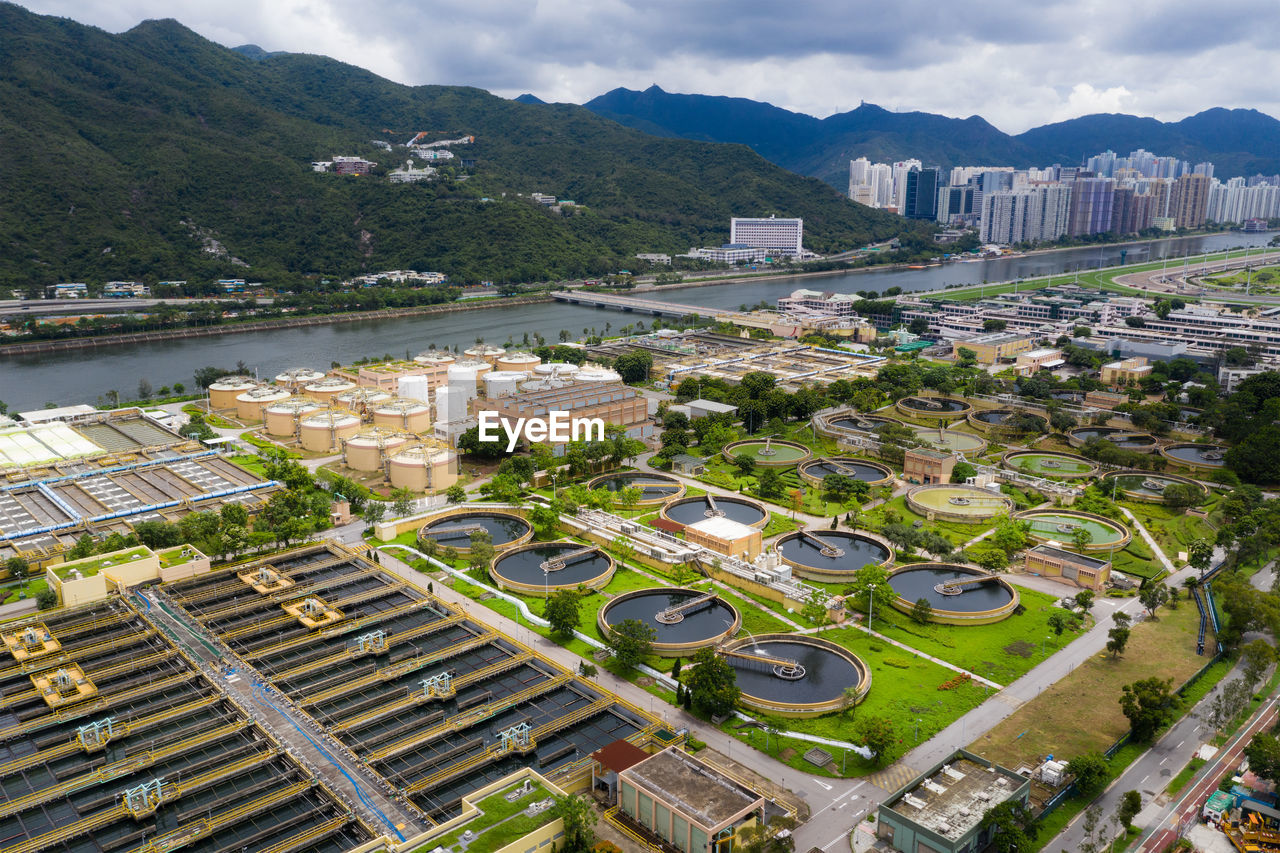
pixel 156 154
pixel 1238 142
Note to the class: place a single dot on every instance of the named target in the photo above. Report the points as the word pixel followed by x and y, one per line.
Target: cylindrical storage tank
pixel 414 388
pixel 543 384
pixel 250 404
pixel 421 467
pixel 408 415
pixel 499 383
pixel 563 369
pixel 281 418
pixel 223 393
pixel 520 362
pixel 597 374
pixel 299 377
pixel 366 450
pixel 485 353
pixel 431 358
pixel 324 432
pixel 361 400
pixel 328 387
pixel 469 371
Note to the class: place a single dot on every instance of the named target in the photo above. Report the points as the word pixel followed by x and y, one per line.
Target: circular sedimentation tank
pixel 958 503
pixel 947 408
pixel 796 676
pixel 540 568
pixel 419 467
pixel 1060 525
pixel 768 453
pixel 454 530
pixel 596 374
pixel 298 377
pixel 1123 438
pixel 998 421
pixel 958 594
pixel 408 415
pixel 847 422
pixel 688 511
pixel 432 358
pixel 563 369
pixel 223 393
pixel 369 448
pixel 1144 486
pixel 361 400
pixel 517 362
pixel 872 473
pixel 1053 466
pixel 654 488
pixel 1196 455
pixel 329 387
pixel 250 404
pixel 281 419
pixel 324 432
pixel 683 620
pixel 951 440
pixel 484 352
pixel 832 555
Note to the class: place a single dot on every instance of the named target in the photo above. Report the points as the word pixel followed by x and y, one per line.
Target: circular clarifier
pixel 848 422
pixel 832 555
pixel 1123 438
pixel 947 408
pixel 958 503
pixel 796 676
pixel 1142 486
pixel 1054 466
pixel 654 488
pixel 769 453
pixel 951 440
pixel 688 511
pixel 1059 525
pixel 682 620
pixel 871 473
pixel 1196 455
pixel 959 595
pixel 543 567
pixel 1007 421
pixel 455 529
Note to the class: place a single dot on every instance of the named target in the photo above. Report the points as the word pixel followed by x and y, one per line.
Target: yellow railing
pixel 396 670
pixel 611 817
pixel 348 627
pixel 47 662
pixel 284 595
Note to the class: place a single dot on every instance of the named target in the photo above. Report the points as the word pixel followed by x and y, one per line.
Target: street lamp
pixel 871 604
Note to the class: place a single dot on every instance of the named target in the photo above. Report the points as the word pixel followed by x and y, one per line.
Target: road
pixel 42 307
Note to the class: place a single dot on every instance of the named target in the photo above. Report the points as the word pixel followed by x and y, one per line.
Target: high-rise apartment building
pixel 921 199
pixel 781 235
pixel 1091 201
pixel 1190 201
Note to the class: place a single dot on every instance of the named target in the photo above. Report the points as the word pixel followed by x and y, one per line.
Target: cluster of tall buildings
pixel 1122 195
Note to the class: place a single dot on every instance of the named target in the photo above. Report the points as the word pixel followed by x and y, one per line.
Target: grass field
pixel 1081 713
pixel 1172 529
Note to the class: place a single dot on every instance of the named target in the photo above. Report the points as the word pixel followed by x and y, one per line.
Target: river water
pixel 82 376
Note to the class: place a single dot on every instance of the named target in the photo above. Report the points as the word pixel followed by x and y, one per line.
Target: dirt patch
pixel 1022 649
pixel 644 681
pixel 786 754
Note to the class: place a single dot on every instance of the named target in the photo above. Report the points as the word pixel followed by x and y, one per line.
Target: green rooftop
pixel 91 566
pixel 177 555
pixel 500 821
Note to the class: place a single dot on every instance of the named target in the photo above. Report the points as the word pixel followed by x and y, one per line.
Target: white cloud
pixel 1084 100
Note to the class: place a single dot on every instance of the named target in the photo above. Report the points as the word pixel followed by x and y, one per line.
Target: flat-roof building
pixel 1032 362
pixel 783 236
pixel 725 536
pixel 996 347
pixel 927 467
pixel 1067 566
pixel 941 811
pixel 1127 371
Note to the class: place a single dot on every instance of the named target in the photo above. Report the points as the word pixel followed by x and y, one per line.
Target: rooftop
pixel 1044 352
pixel 90 566
pixel 619 755
pixel 927 453
pixel 712 406
pixel 1070 556
pixel 953 798
pixel 722 528
pixel 995 338
pixel 693 788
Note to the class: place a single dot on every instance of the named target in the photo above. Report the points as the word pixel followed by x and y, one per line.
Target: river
pixel 82 376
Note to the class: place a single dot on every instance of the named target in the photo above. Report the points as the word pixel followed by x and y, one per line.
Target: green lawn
pixel 1137 560
pixel 1172 529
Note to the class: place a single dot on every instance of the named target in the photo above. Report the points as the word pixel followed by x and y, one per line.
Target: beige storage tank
pixel 367 449
pixel 250 404
pixel 543 383
pixel 407 415
pixel 423 467
pixel 431 357
pixel 299 377
pixel 223 393
pixel 324 432
pixel 500 383
pixel 361 400
pixel 328 387
pixel 281 418
pixel 485 353
pixel 562 369
pixel 518 362
pixel 597 374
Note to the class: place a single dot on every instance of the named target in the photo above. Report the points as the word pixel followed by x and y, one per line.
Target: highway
pixel 44 307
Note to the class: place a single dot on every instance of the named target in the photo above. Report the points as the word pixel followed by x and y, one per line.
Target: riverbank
pixel 36 347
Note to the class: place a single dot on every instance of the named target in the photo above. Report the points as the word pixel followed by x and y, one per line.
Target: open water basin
pixel 1144 486
pixel 845 466
pixel 1056 466
pixel 958 503
pixel 455 531
pixel 768 452
pixel 796 676
pixel 832 555
pixel 1060 525
pixel 1196 455
pixel 654 488
pixel 688 511
pixel 567 566
pixel 958 594
pixel 677 630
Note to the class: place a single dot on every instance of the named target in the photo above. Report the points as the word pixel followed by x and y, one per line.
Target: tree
pixel 1081 537
pixel 1178 495
pixel 871 589
pixel 629 497
pixel 1200 555
pixel 769 484
pixel 375 511
pixel 1255 658
pixel 1117 639
pixel 1263 753
pixel 713 683
pixel 922 611
pixel 815 608
pixel 1152 596
pixel 562 612
pixel 878 734
pixel 1149 704
pixel 772 837
pixel 481 549
pixel 1013 827
pixel 46 599
pixel 17 568
pixel 1130 803
pixel 962 472
pixel 633 366
pixel 1010 535
pixel 1084 600
pixel 631 641
pixel 1090 770
pixel 233 513
pixel 401 502
pixel 545 520
pixel 1059 621
pixel 991 559
pixel 455 494
pixel 579 823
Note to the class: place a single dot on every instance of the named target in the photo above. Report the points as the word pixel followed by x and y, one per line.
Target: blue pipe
pixel 116 469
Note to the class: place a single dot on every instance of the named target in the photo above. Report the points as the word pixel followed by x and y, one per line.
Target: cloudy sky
pixel 1018 63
